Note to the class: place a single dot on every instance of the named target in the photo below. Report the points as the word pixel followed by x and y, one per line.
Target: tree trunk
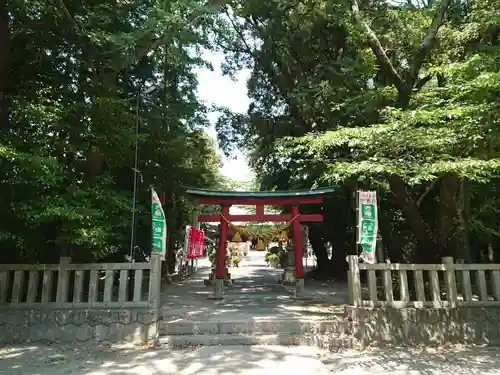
pixel 392 247
pixel 4 66
pixel 171 255
pixel 425 251
pixel 318 244
pixel 447 211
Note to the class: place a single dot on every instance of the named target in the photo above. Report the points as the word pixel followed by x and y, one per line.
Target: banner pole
pixel 195 261
pixel 185 250
pixel 356 194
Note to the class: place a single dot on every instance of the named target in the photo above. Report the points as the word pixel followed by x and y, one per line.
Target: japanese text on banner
pixel 196 239
pixel 159 226
pixel 367 225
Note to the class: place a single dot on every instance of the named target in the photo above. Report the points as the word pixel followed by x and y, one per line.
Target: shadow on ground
pixel 87 360
pixel 457 360
pixel 121 361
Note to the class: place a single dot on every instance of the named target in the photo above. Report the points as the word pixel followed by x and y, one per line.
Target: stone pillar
pixel 289 272
pixel 64 260
pixel 354 281
pixel 219 289
pixel 155 296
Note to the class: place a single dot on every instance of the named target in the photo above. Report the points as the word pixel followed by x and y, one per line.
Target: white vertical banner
pixel 367 225
pixel 159 226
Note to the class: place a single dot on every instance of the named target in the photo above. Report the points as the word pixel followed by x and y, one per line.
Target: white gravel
pixel 238 360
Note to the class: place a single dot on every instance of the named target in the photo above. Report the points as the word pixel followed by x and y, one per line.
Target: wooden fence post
pixel 62 280
pixel 155 293
pixel 459 278
pixel 450 281
pixel 155 280
pixel 354 281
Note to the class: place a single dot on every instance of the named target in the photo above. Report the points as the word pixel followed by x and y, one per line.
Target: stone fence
pixel 80 302
pixel 424 303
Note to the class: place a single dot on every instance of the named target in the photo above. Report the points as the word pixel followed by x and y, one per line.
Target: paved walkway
pixel 255 294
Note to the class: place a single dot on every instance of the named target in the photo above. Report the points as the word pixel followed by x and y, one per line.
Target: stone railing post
pixel 154 297
pixel 354 281
pixel 155 280
pixel 63 280
pixel 450 281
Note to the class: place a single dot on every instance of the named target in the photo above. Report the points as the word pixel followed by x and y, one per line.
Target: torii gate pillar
pixel 298 253
pixel 220 256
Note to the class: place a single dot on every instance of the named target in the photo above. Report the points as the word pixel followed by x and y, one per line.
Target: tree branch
pixel 428 41
pixel 239 33
pixel 427 191
pixel 377 47
pixel 142 51
pixel 67 14
pixel 422 82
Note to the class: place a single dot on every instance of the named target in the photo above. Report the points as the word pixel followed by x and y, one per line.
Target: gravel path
pixel 237 360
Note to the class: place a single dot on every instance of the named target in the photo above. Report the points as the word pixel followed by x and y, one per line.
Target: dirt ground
pixel 241 360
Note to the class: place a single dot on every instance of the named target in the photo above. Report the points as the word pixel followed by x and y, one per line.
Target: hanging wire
pixel 136 172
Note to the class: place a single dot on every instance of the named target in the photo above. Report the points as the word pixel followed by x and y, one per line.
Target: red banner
pixel 196 239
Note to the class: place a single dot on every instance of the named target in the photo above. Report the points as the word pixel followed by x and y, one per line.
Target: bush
pixel 273 259
pixel 236 261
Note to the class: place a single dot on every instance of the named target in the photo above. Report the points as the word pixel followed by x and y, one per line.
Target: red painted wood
pixel 271 201
pixel 260 218
pixel 259 210
pixel 220 266
pixel 297 245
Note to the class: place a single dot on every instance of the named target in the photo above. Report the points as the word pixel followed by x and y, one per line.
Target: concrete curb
pixel 287 326
pixel 320 341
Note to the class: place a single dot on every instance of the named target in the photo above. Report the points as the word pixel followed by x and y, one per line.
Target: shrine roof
pixel 257 194
pixel 200 193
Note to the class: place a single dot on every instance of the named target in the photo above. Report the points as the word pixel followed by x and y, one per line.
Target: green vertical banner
pixel 159 226
pixel 367 225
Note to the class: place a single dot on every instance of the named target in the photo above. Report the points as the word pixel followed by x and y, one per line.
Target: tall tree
pixel 88 75
pixel 395 97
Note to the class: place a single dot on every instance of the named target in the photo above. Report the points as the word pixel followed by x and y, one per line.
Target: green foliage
pixel 273 259
pixel 87 75
pixel 398 97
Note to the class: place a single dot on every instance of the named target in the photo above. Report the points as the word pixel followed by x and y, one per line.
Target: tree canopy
pixel 396 96
pixel 399 97
pixel 76 79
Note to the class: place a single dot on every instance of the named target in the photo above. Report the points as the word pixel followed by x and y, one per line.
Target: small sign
pixel 367 225
pixel 159 226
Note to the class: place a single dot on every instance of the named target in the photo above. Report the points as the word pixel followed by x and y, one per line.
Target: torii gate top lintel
pixel 259 199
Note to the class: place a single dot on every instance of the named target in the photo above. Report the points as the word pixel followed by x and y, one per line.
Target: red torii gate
pixel 258 199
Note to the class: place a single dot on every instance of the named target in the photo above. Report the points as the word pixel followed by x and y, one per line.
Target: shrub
pixel 273 259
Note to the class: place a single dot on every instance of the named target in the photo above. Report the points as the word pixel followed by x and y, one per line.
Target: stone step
pixel 292 326
pixel 321 341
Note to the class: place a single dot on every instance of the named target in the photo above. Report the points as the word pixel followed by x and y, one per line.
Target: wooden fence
pixel 423 285
pixel 93 285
